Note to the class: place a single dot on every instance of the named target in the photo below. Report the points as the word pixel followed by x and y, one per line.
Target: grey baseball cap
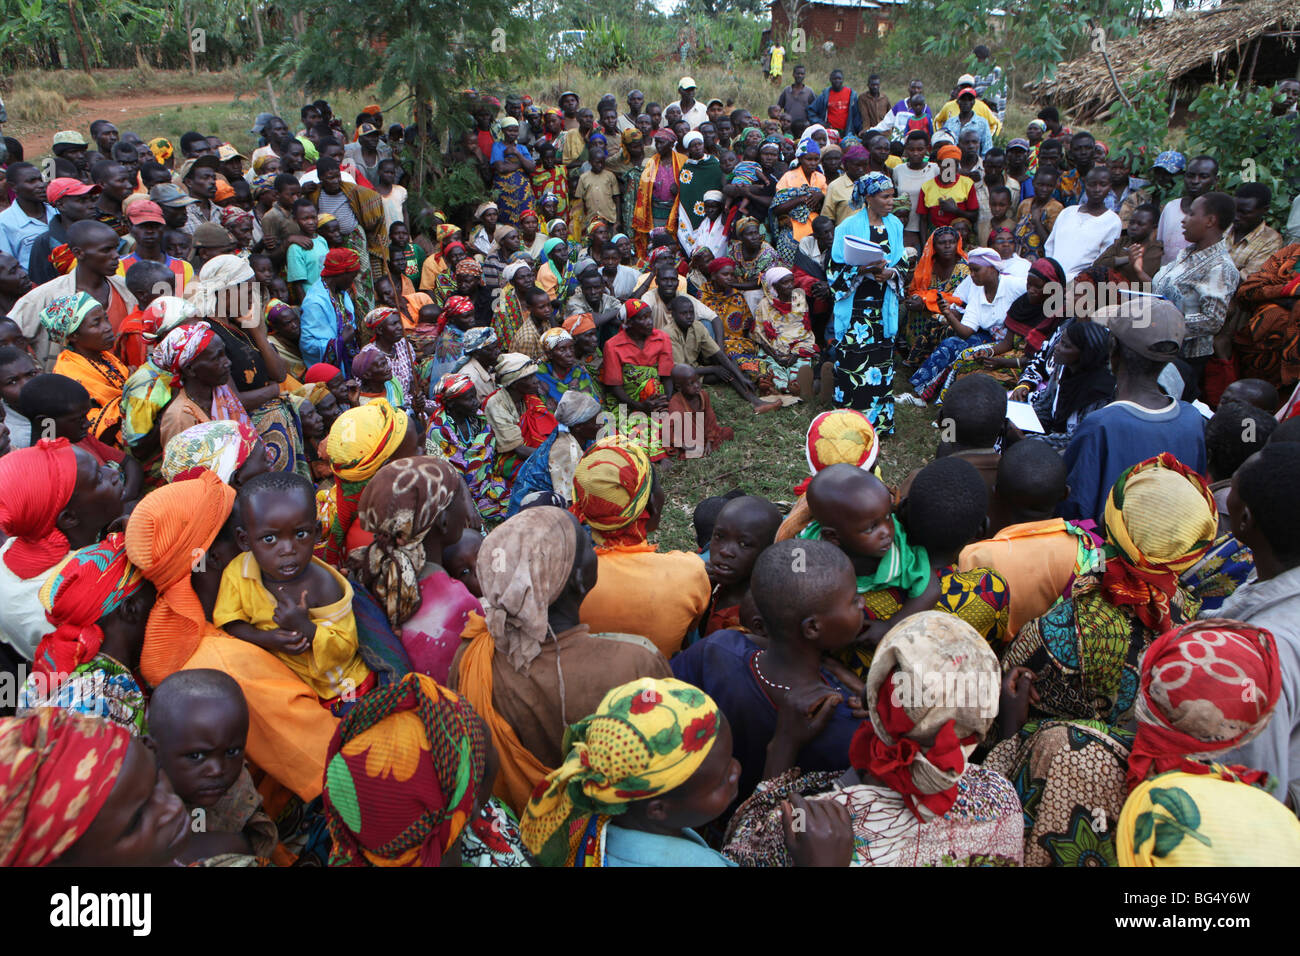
pixel 1149 325
pixel 167 194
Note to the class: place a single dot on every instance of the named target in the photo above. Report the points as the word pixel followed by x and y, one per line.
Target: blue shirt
pixel 535 475
pixel 1114 438
pixel 624 847
pixel 722 665
pixel 499 151
pixel 319 340
pixel 304 265
pixel 18 231
pixel 955 126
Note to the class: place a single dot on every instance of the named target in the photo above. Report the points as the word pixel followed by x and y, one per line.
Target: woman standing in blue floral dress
pixel 866 307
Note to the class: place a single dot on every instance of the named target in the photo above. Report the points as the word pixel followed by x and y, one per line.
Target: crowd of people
pixel 326 515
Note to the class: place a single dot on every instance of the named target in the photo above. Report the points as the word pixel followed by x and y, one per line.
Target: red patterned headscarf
pixel 35 485
pixel 452 385
pixel 458 305
pixel 1160 520
pixel 339 261
pixel 1207 688
pixel 181 346
pixel 918 740
pixel 56 771
pixel 611 488
pixel 90 585
pixel 402 775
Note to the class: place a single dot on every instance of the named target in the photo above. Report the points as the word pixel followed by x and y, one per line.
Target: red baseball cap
pixel 144 210
pixel 67 186
pixel 967 89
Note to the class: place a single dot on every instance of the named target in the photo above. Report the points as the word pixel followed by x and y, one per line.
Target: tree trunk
pixel 76 28
pixel 189 39
pixel 257 25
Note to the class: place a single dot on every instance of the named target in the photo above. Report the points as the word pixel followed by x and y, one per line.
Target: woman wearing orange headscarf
pixel 949 195
pixel 939 272
pixel 656 194
pixel 171 535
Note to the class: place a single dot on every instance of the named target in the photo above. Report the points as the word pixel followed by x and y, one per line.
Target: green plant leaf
pixel 1142 828
pixel 1168 836
pixel 1179 804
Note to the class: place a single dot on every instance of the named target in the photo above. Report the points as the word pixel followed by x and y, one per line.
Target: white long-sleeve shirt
pixel 1078 238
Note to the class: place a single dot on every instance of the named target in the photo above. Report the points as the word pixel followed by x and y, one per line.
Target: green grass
pixel 766 458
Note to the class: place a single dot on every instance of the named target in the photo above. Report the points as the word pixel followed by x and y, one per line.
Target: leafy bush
pixel 604 48
pixel 458 188
pixel 1237 128
pixel 1141 131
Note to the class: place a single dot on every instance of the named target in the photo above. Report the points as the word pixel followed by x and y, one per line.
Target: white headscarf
pixel 984 256
pixel 222 274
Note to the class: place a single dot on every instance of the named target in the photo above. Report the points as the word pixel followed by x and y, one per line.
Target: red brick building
pixel 841 22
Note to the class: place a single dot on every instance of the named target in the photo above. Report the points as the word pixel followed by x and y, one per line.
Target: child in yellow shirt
pixel 280 597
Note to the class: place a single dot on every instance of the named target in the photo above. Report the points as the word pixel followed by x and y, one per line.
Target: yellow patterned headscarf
pixel 362 439
pixel 360 442
pixel 612 486
pixel 839 436
pixel 1193 819
pixel 1161 514
pixel 1160 520
pixel 645 739
pixel 161 149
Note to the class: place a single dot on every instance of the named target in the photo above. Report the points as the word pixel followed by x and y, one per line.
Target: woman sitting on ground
pixel 1073 674
pixel 529 667
pixel 913 796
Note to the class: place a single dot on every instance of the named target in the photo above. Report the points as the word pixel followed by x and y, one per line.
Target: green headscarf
pixel 906 566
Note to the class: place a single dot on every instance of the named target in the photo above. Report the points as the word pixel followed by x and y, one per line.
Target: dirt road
pixel 121 110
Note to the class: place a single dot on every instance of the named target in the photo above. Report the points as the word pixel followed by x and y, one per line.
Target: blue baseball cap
pixel 1171 161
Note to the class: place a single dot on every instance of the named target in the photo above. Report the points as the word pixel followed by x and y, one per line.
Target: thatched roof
pixel 1252 37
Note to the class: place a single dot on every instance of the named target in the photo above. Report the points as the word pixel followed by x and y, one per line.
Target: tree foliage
pixel 1236 127
pixel 1041 33
pixel 1142 128
pixel 417 53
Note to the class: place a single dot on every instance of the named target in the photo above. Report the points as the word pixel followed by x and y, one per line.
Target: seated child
pixel 640 805
pixel 460 561
pixel 945 511
pixel 806 595
pixel 853 510
pixel 282 598
pixel 694 345
pixel 59 407
pixel 843 436
pixel 705 517
pixel 692 429
pixel 198 726
pixel 744 528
